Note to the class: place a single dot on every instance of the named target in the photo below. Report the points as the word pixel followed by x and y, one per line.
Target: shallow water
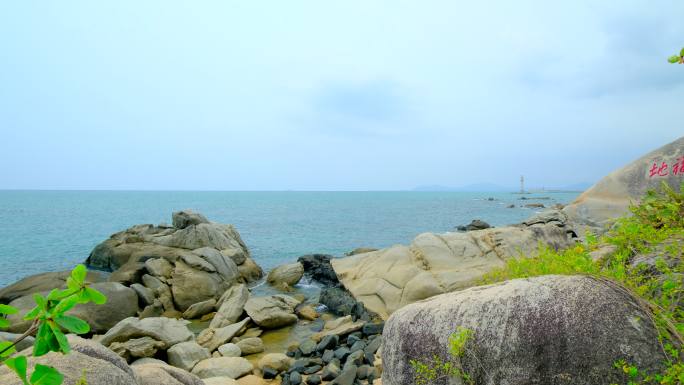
pixel 53 230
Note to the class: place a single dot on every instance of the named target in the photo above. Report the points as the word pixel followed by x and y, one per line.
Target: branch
pixel 29 332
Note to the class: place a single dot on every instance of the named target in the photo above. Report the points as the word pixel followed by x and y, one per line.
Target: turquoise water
pixel 53 230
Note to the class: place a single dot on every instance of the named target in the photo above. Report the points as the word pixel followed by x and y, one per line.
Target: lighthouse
pixel 522 184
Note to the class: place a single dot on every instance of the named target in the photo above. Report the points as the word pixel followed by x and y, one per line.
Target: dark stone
pixel 312 369
pixel 342 353
pixel 347 376
pixel 328 356
pixel 328 342
pixel 269 373
pixel 373 346
pixel 314 379
pixel 318 268
pixel 370 329
pixel 338 300
pixel 295 378
pixel 356 358
pixel 475 224
pixel 358 345
pixel 299 365
pixel 352 339
pixel 363 371
pixel 307 347
pixel 330 372
pixel 317 327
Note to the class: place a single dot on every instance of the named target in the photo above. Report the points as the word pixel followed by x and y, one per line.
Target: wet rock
pixel 475 224
pixel 318 268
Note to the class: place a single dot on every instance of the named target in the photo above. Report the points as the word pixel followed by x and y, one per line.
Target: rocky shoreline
pixel 182 308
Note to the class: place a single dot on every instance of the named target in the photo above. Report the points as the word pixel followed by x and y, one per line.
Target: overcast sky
pixel 323 95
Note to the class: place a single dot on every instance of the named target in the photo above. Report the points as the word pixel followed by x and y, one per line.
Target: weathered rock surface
pixel 154 374
pixel 220 381
pixel 137 348
pixel 288 274
pixel 273 311
pixel 185 355
pixel 543 330
pixel 432 264
pixel 185 218
pixel 231 306
pixel 42 282
pixel 251 345
pixel 167 330
pixel 318 268
pixel 610 197
pixel 212 338
pixel 122 302
pixel 199 309
pixel 232 367
pixel 101 365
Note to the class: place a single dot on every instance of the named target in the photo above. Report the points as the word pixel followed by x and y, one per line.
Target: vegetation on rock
pixel 49 319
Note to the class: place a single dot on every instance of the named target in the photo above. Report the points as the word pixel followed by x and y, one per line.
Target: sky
pixel 333 95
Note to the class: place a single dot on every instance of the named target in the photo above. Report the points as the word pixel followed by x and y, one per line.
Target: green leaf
pixel 79 273
pixel 40 301
pixel 46 375
pixel 65 305
pixel 4 345
pixel 73 285
pixel 32 314
pixel 4 323
pixel 6 309
pixel 681 53
pixel 95 296
pixel 73 324
pixel 18 365
pixel 673 59
pixel 61 338
pixel 42 344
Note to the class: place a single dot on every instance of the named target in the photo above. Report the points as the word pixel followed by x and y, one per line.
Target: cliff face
pixel 610 197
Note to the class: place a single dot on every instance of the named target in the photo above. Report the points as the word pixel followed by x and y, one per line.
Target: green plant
pixel 677 58
pixel 655 228
pixel 49 319
pixel 438 368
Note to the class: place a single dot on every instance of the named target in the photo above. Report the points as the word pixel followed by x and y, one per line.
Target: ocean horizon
pixel 52 230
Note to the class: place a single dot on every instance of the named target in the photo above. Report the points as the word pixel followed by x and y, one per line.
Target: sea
pixel 55 230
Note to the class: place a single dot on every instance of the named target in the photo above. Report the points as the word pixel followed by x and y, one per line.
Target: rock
pixel 156 309
pixel 137 347
pixel 101 365
pixel 193 237
pixel 475 224
pixel 277 361
pixel 236 254
pixel 147 360
pixel 295 378
pixel 306 312
pixel 610 197
pixel 251 345
pixel 122 302
pixel 360 250
pixel 191 285
pixel 232 367
pixel 535 205
pixel 222 264
pixel 388 279
pixel 330 372
pixel 232 304
pixel 43 282
pixel 199 309
pixel 370 329
pixel 273 311
pixel 212 338
pixel 129 273
pixel 307 347
pixel 185 218
pixel 314 379
pixel 220 381
pixel 338 300
pixel 288 274
pixel 145 295
pixel 159 267
pixel 154 374
pixel 250 271
pixel 511 206
pixel 269 373
pixel 543 327
pixel 186 355
pixel 318 268
pixel 230 350
pixel 167 330
pixel 328 342
pixel 251 380
pixel 11 337
pixel 343 329
pixel 347 377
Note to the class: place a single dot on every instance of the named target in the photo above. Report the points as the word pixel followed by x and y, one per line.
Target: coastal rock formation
pixel 288 274
pixel 122 302
pixel 318 268
pixel 174 269
pixel 167 330
pixel 272 311
pixel 549 329
pixel 100 365
pixel 610 197
pixel 42 282
pixel 432 264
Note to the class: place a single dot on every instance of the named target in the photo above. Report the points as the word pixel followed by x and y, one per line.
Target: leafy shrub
pixel 49 319
pixel 427 372
pixel 677 58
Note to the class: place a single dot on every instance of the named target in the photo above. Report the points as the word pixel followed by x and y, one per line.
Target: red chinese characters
pixel 678 167
pixel 658 170
pixel 663 169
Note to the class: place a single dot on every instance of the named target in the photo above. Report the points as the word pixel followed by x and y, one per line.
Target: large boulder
pixel 167 330
pixel 43 282
pixel 185 218
pixel 273 311
pixel 610 197
pixel 89 359
pixel 186 354
pixel 318 268
pixel 232 367
pixel 385 280
pixel 543 330
pixel 122 302
pixel 288 274
pixel 192 285
pixel 231 306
